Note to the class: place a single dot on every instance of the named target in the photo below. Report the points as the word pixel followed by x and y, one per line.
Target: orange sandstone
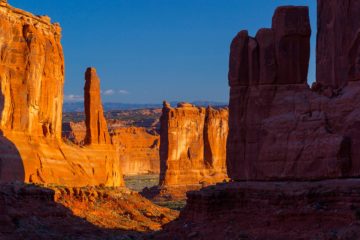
pixel 31 96
pixel 96 127
pixel 193 145
pixel 138 149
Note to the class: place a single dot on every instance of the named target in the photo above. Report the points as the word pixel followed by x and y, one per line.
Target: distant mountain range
pixel 110 106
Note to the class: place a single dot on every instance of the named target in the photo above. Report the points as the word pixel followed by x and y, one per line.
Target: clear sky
pixel 146 51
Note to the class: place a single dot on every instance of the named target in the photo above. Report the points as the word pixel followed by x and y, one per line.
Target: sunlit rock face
pixel 193 145
pixel 31 96
pixel 31 54
pixel 138 149
pixel 96 127
pixel 279 128
pixel 74 132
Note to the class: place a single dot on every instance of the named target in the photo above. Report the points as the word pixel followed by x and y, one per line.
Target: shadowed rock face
pixel 338 42
pixel 270 210
pixel 31 96
pixel 193 143
pixel 278 127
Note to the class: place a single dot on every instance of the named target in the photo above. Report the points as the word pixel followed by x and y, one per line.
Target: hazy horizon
pixel 147 51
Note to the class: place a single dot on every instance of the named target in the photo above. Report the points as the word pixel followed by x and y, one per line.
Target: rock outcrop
pixel 270 210
pixel 96 127
pixel 193 143
pixel 31 54
pixel 138 149
pixel 280 128
pixel 338 46
pixel 74 132
pixel 31 96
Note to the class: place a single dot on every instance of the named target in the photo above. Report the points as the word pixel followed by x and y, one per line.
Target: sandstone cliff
pixel 31 54
pixel 138 149
pixel 31 96
pixel 338 43
pixel 279 127
pixel 193 143
pixel 74 132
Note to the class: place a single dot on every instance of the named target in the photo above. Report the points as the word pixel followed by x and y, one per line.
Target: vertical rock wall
pixel 193 143
pixel 279 128
pixel 31 96
pixel 138 149
pixel 30 54
pixel 338 42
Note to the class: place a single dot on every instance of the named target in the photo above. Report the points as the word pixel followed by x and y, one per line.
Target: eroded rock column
pixel 96 126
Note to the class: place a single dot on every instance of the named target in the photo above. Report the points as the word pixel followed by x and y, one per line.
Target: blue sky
pixel 146 51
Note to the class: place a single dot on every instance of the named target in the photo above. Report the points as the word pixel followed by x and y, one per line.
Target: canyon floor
pixel 233 211
pixel 55 212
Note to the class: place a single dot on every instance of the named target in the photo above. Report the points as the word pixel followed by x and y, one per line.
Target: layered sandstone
pixel 138 149
pixel 31 54
pixel 279 127
pixel 31 96
pixel 193 143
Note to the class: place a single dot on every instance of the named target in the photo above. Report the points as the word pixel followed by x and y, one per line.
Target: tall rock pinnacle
pixel 96 127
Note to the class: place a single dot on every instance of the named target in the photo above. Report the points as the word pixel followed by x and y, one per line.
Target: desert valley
pixel 279 162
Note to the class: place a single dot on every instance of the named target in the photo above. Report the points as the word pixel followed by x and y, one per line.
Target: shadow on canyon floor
pixel 11 164
pixel 31 212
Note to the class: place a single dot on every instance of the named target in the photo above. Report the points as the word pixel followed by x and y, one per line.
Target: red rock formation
pixel 215 138
pixel 75 132
pixel 282 61
pixel 193 143
pixel 31 53
pixel 31 95
pixel 138 149
pixel 280 129
pixel 270 210
pixel 96 127
pixel 338 42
